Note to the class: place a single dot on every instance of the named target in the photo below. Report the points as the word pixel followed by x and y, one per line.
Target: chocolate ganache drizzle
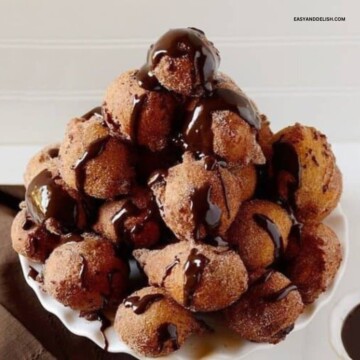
pixel 197 134
pixel 194 268
pixel 128 210
pixel 140 304
pixel 45 199
pixel 92 151
pixel 286 159
pixel 205 213
pixel 271 228
pixel 177 43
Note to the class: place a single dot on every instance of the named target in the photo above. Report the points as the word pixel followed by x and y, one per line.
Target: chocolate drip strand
pixel 91 152
pixel 177 43
pixel 197 134
pixel 281 294
pixel 169 269
pixel 194 268
pixel 271 228
pixel 45 199
pixel 205 212
pixel 140 305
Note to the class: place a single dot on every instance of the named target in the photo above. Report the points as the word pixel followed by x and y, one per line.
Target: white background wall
pixel 57 57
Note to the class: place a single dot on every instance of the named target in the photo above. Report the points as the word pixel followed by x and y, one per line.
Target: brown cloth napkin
pixel 27 331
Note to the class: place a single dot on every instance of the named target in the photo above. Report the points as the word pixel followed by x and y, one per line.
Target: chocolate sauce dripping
pixel 46 199
pixel 97 111
pixel 109 121
pixel 138 102
pixel 271 228
pixel 350 333
pixel 212 164
pixel 33 273
pixel 169 269
pixel 83 271
pixel 295 232
pixel 281 294
pixel 205 213
pixel 177 43
pixel 264 277
pixel 127 210
pixel 197 134
pixel 98 316
pixel 194 267
pixel 168 332
pixel 285 159
pixel 140 305
pixel 92 151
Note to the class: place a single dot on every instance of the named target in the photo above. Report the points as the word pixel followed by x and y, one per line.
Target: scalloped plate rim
pixel 91 330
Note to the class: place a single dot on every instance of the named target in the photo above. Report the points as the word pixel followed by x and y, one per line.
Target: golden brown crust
pixel 320 182
pixel 223 278
pixel 155 118
pixel 255 245
pixel 258 317
pixel 86 275
pixel 145 332
pixel 46 158
pixel 31 240
pixel 107 175
pixel 175 196
pixel 147 224
pixel 315 266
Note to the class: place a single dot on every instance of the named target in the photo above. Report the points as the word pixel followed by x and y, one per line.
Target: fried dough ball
pixel 197 198
pixel 247 180
pixel 47 158
pixel 154 325
pixel 183 61
pixel 93 162
pixel 223 125
pixel 134 220
pixel 306 173
pixel 265 137
pixel 199 277
pixel 86 275
pixel 314 268
pixel 268 311
pixel 49 200
pixel 31 240
pixel 260 231
pixel 144 117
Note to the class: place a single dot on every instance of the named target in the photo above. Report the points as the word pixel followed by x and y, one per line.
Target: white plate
pixel 221 345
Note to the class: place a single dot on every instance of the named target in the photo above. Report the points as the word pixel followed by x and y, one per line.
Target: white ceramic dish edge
pixel 225 348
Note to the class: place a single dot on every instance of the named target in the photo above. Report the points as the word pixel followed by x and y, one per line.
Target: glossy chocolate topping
pixel 271 228
pixel 194 268
pixel 92 151
pixel 178 43
pixel 140 305
pixel 45 199
pixel 169 269
pixel 197 134
pixel 281 294
pixel 205 213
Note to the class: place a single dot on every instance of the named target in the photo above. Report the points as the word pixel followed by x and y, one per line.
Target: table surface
pixel 314 341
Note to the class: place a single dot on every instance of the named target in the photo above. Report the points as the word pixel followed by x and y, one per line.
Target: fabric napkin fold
pixel 27 330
